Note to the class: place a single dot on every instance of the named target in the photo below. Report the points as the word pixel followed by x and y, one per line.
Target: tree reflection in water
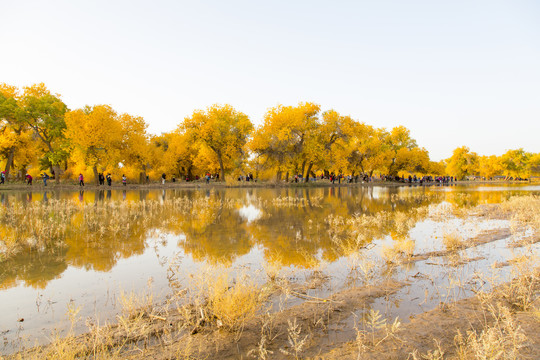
pixel 45 233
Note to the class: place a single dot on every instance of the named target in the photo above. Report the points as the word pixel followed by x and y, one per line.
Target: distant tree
pixel 533 165
pixel 399 144
pixel 95 136
pixel 44 114
pixel 222 130
pixel 368 149
pixel 281 140
pixel 489 166
pixel 462 163
pixel 13 128
pixel 136 151
pixel 515 163
pixel 330 135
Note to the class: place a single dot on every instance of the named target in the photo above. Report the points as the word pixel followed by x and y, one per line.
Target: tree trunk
pixel 221 168
pixel 9 162
pixel 278 175
pixel 142 175
pixel 306 179
pixel 96 174
pixel 287 176
pixel 56 169
pixel 304 167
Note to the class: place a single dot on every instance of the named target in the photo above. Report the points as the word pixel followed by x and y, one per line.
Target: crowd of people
pixel 339 178
pixel 331 177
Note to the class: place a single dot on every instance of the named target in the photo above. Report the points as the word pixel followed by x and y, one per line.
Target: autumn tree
pixel 415 160
pixel 180 153
pixel 282 137
pixel 329 135
pixel 44 113
pixel 222 130
pixel 135 148
pixel 489 166
pixel 368 149
pixel 399 144
pixel 436 167
pixel 462 163
pixel 514 163
pixel 533 165
pixel 12 125
pixel 95 135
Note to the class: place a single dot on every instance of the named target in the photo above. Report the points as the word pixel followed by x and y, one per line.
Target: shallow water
pixel 247 229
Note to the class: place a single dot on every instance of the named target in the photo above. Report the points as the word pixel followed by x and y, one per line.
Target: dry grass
pixel 220 302
pixel 452 241
pixel 521 293
pixel 502 339
pixel 402 250
pixel 372 322
pixel 216 299
pixel 524 210
pixel 233 304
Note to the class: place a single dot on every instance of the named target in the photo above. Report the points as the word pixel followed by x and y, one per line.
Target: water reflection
pixel 292 226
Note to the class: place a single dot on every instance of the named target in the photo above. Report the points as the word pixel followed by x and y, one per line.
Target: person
pixel 163 178
pixel 124 179
pixel 2 177
pixel 28 179
pixel 101 179
pixel 109 179
pixel 81 180
pixel 45 178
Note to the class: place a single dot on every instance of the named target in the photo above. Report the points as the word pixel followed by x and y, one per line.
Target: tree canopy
pixel 39 133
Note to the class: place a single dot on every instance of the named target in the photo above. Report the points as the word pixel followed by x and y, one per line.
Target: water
pixel 248 229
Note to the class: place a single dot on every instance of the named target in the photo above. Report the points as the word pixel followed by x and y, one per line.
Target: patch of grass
pixel 522 291
pixel 233 304
pixel 219 300
pixel 501 340
pixel 402 250
pixel 452 241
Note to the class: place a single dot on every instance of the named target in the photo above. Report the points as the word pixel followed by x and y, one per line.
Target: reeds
pixel 219 301
pixel 452 241
pixel 402 250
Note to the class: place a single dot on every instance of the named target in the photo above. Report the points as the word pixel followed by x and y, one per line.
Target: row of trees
pixel 40 133
pixel 516 164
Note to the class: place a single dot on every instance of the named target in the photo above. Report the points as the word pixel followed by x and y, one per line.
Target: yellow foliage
pixel 221 132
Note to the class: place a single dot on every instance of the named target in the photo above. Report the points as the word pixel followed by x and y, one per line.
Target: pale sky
pixel 453 72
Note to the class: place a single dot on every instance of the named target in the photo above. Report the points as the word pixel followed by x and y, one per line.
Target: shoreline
pixel 39 187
